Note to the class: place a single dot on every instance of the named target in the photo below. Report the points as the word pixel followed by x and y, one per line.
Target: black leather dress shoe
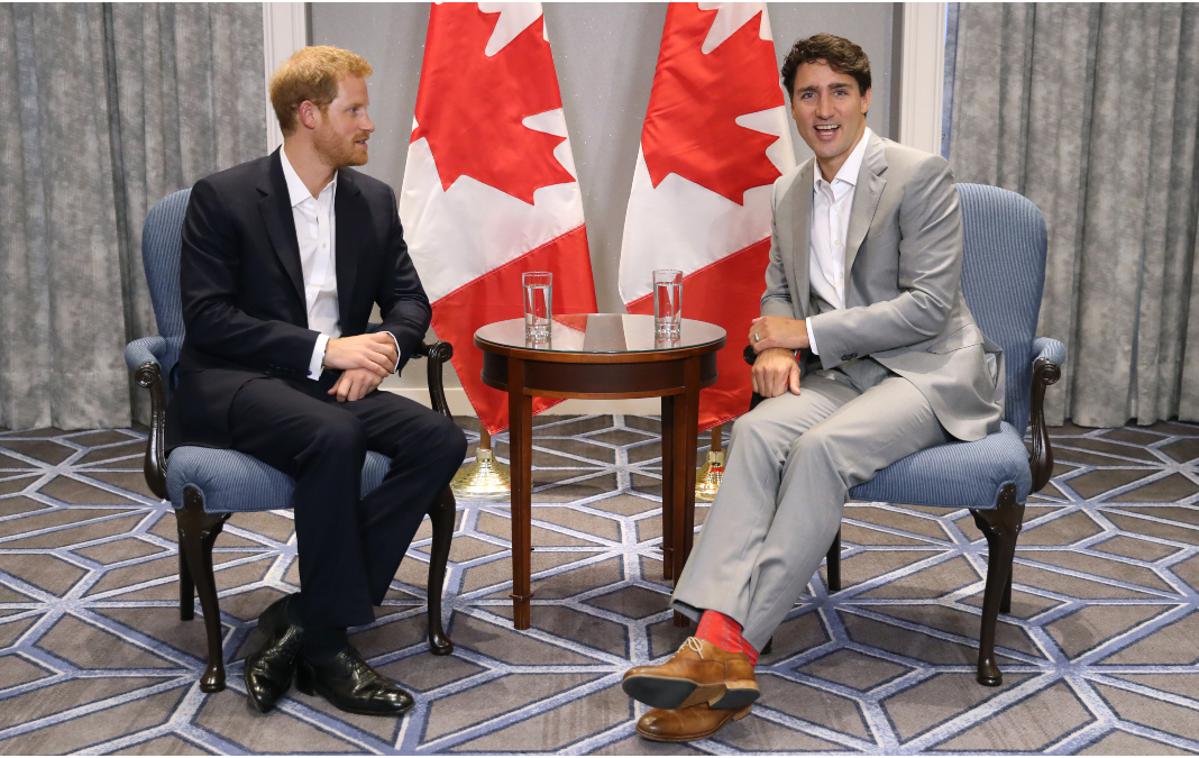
pixel 269 671
pixel 349 683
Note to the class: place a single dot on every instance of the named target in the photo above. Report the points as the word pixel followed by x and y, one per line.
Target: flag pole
pixel 707 478
pixel 483 477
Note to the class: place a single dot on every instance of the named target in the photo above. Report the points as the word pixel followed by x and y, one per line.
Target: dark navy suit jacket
pixel 242 288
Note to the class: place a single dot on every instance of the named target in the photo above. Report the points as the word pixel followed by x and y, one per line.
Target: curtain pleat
pixel 116 105
pixel 1091 111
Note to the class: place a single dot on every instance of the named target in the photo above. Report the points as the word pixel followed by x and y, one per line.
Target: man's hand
pixel 766 332
pixel 375 352
pixel 355 384
pixel 775 372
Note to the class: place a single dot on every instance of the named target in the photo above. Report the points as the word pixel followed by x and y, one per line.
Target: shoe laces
pixel 693 644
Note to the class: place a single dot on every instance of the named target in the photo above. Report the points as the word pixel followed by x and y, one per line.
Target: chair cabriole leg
pixel 197 534
pixel 1001 526
pixel 442 516
pixel 834 564
pixel 187 588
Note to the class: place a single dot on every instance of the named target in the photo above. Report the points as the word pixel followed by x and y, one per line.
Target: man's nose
pixel 824 106
pixel 366 124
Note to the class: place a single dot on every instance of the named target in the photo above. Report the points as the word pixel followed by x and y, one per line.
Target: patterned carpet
pixel 1100 653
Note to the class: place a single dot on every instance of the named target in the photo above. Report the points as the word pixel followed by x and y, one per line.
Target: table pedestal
pixel 677 379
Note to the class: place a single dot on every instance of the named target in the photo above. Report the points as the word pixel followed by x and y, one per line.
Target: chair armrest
pixel 438 354
pixel 1048 356
pixel 1049 349
pixel 144 358
pixel 750 356
pixel 145 350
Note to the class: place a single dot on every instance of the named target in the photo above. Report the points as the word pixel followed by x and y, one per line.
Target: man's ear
pixel 866 101
pixel 307 114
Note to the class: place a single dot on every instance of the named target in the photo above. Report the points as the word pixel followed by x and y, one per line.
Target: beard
pixel 339 151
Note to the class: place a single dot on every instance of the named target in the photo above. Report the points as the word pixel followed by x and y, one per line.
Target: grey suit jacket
pixel 903 293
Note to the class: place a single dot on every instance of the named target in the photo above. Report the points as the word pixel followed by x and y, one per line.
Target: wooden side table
pixel 602 356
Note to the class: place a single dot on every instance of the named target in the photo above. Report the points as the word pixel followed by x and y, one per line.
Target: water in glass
pixel 668 303
pixel 539 297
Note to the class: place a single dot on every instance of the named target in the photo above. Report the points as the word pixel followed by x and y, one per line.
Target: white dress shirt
pixel 316 225
pixel 832 203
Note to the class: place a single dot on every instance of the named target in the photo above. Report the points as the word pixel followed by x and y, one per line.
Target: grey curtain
pixel 110 107
pixel 1092 112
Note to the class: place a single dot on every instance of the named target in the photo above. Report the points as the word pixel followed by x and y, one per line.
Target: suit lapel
pixel 275 207
pixel 353 225
pixel 802 229
pixel 866 195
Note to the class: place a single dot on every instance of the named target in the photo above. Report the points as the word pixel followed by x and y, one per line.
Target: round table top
pixel 600 334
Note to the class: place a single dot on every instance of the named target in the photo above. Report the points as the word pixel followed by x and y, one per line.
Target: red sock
pixel 724 633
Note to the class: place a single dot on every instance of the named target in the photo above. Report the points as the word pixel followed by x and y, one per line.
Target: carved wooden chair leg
pixel 197 533
pixel 1005 605
pixel 187 588
pixel 1001 527
pixel 834 564
pixel 442 516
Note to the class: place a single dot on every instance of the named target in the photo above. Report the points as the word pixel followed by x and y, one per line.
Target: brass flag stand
pixel 485 477
pixel 707 478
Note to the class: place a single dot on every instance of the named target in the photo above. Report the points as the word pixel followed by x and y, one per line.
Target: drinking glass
pixel 539 298
pixel 668 303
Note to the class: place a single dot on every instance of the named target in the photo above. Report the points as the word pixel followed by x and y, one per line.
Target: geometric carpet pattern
pixel 1100 653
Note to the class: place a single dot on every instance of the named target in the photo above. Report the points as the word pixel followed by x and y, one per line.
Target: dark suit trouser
pixel 349 546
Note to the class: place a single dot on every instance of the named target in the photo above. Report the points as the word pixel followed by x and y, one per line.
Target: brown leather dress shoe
pixel 699 672
pixel 686 724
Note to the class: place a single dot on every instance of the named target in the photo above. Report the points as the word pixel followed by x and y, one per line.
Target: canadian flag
pixel 490 189
pixel 714 140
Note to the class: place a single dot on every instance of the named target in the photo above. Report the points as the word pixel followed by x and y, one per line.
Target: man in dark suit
pixel 283 259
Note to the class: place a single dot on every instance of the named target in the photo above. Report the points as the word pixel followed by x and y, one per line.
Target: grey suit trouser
pixel 791 463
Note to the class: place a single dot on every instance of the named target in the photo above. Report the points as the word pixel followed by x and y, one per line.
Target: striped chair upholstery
pixel 1003 274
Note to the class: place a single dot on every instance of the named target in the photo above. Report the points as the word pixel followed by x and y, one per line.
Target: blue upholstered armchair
pixel 1003 275
pixel 207 485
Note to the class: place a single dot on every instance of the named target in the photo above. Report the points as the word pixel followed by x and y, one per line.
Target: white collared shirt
pixel 315 232
pixel 832 203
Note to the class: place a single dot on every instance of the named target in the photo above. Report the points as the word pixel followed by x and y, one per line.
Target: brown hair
pixel 840 54
pixel 312 73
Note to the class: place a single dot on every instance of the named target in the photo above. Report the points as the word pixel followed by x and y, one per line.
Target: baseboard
pixel 460 406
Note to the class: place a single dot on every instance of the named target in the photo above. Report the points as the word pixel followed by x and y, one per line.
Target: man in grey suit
pixel 866 353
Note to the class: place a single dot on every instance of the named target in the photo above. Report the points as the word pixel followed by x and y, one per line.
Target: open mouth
pixel 827 131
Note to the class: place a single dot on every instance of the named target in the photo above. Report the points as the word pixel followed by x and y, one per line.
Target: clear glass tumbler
pixel 539 299
pixel 668 303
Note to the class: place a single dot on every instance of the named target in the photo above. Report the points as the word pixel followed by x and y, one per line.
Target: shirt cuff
pixel 315 363
pixel 399 354
pixel 811 336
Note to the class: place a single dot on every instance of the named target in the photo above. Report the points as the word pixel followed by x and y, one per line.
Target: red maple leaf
pixel 690 127
pixel 470 106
